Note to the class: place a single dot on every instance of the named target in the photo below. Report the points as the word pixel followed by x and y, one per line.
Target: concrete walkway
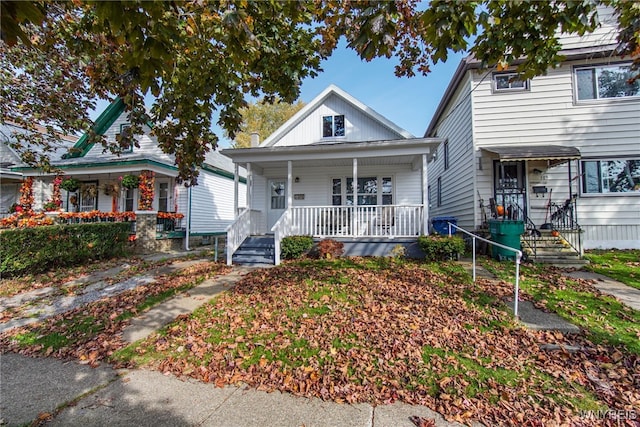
pixel 626 294
pixel 70 394
pixel 164 313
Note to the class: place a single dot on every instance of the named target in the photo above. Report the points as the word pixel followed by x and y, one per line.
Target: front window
pixel 332 126
pixel 504 82
pixel 368 191
pixel 163 197
pixel 610 176
pixel 129 199
pixel 601 82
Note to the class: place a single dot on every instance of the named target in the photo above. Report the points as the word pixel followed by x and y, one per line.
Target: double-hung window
pixel 605 81
pixel 610 176
pixel 332 126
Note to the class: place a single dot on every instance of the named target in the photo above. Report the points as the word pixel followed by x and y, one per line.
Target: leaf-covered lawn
pixel 371 330
pixel 623 266
pixel 92 332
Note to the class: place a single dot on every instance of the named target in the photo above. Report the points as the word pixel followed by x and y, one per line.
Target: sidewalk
pixel 106 397
pixel 626 294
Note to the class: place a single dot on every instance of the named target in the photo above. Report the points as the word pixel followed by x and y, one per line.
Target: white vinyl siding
pixel 148 145
pixel 457 181
pixel 315 183
pixel 358 126
pixel 212 203
pixel 548 115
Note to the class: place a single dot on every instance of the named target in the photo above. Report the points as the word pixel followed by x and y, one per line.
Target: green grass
pixel 605 319
pixel 623 266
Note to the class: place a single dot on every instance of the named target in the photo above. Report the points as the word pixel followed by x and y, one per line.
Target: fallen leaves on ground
pixel 91 333
pixel 396 333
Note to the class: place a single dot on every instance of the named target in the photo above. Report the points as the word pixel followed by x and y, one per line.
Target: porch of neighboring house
pixel 100 195
pixel 369 195
pixel 538 186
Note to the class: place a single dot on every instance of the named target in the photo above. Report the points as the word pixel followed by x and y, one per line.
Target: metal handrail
pixel 516 251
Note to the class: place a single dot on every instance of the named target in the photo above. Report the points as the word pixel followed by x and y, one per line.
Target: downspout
pixel 188 230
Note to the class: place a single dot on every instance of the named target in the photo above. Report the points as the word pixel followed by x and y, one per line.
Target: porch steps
pixel 255 250
pixel 548 249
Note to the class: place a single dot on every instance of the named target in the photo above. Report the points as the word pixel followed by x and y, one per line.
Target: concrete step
pixel 251 259
pixel 254 251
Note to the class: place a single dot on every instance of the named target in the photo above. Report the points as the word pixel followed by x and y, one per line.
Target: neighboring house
pixel 208 207
pixel 10 178
pixel 558 151
pixel 301 178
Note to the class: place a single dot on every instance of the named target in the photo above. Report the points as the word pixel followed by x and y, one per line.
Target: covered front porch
pixel 375 190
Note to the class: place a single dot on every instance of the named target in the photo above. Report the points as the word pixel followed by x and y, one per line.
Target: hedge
pixel 440 248
pixel 39 249
pixel 292 247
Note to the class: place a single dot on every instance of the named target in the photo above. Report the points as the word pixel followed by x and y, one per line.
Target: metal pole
pixel 474 259
pixel 515 301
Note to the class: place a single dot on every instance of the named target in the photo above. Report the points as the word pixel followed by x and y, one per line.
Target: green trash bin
pixel 505 232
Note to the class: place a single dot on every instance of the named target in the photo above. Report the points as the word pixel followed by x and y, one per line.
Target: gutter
pixel 188 231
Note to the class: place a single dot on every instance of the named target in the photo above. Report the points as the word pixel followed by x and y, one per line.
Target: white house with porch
pixel 337 169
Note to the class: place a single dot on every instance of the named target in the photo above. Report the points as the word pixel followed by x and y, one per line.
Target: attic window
pixel 509 82
pixel 125 131
pixel 332 126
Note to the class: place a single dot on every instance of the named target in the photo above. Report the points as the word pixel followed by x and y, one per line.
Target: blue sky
pixel 408 102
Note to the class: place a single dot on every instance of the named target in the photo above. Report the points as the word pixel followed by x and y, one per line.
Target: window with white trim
pixel 163 196
pixel 129 199
pixel 610 176
pixel 332 126
pixel 373 190
pixel 125 129
pixel 605 81
pixel 507 82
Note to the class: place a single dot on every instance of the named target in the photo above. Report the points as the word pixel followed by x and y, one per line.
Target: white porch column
pixel 355 197
pixel 289 184
pixel 249 186
pixel 425 196
pixel 236 183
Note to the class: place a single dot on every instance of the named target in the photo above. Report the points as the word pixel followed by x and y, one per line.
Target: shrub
pixel 38 249
pixel 440 248
pixel 292 247
pixel 329 248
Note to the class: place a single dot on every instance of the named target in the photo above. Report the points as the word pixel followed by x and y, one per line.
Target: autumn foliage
pixel 361 333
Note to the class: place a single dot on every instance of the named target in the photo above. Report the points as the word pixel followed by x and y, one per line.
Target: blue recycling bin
pixel 440 224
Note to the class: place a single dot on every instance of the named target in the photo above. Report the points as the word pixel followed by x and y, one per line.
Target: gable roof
pixel 332 90
pixel 100 126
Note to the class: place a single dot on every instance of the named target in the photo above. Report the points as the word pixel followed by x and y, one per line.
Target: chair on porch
pixel 335 221
pixel 386 220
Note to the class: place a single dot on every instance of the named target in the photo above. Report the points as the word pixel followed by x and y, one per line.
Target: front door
pixel 510 190
pixel 277 200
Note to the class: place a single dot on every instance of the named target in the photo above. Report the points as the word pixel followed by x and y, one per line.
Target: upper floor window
pixel 610 176
pixel 605 81
pixel 506 82
pixel 125 130
pixel 446 155
pixel 332 126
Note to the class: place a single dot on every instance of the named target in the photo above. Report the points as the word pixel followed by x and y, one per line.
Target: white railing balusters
pixel 239 230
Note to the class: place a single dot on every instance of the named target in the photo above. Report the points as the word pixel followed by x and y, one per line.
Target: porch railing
pixel 379 221
pixel 361 221
pixel 239 230
pixel 281 229
pixel 563 216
